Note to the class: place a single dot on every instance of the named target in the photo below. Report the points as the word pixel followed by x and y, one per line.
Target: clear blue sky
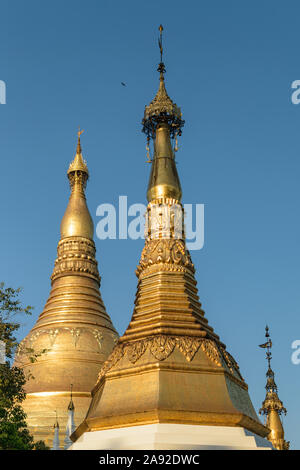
pixel 230 66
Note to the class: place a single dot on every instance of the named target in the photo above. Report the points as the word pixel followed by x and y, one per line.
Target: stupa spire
pixel 71 406
pixel 56 444
pixel 170 380
pixel 162 122
pixel 272 406
pixel 70 428
pixel 165 248
pixel 73 335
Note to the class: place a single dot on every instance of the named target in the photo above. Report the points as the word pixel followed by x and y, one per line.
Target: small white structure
pixel 2 352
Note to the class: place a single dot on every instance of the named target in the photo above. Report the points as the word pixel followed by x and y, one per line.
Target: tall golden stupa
pixel 272 407
pixel 74 335
pixel 170 382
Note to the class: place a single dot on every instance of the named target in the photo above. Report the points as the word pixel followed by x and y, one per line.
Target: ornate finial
pixel 161 67
pixel 272 406
pixel 71 406
pixel 268 346
pixel 78 143
pixel 78 164
pixel 160 41
pixel 162 109
pixel 77 220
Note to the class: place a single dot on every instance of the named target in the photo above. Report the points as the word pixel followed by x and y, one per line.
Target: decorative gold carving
pixel 211 350
pixel 115 338
pixel 78 167
pixel 76 255
pixel 272 407
pixel 25 347
pixel 112 360
pixel 135 350
pixel 78 180
pixel 231 363
pixel 164 219
pixel 188 346
pixel 162 346
pixel 99 337
pixel 52 335
pixel 34 336
pixel 75 332
pixel 162 267
pixel 76 244
pixel 78 173
pixel 172 253
pixel 162 103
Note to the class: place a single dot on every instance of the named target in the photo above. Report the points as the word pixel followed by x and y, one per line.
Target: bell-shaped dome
pixel 77 220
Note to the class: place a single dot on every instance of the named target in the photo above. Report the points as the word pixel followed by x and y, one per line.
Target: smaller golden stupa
pixel 74 335
pixel 272 407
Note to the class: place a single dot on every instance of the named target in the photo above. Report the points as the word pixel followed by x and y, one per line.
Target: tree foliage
pixel 14 434
pixel 10 307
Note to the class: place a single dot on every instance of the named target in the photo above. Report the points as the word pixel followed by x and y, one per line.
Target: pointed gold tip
pixel 79 143
pixel 77 220
pixel 78 163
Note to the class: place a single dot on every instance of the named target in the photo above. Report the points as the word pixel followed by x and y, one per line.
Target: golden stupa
pixel 169 368
pixel 73 335
pixel 272 407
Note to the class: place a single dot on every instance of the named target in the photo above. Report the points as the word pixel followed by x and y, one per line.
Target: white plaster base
pixel 172 437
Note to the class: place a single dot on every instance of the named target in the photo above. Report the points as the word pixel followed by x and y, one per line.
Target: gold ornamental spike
pixel 272 407
pixel 160 42
pixel 79 164
pixel 79 143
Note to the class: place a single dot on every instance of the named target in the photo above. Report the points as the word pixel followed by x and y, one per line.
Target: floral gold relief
pixel 161 347
pixel 188 346
pixel 172 253
pixel 136 350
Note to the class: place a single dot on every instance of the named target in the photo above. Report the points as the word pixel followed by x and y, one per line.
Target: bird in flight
pixel 122 83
